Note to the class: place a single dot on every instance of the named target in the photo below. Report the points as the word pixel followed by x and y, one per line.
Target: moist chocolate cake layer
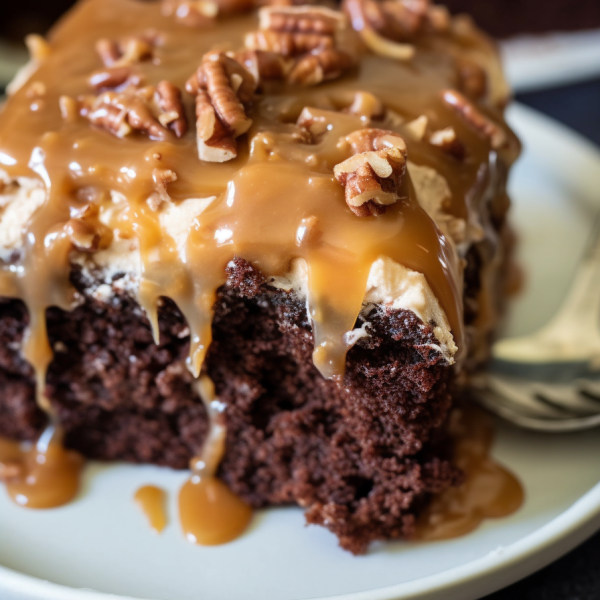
pixel 361 457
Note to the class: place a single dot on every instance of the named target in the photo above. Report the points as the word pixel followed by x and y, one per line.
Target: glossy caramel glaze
pixel 489 491
pixel 151 501
pixel 43 476
pixel 260 200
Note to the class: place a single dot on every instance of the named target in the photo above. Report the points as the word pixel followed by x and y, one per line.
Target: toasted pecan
pixel 371 176
pixel 473 117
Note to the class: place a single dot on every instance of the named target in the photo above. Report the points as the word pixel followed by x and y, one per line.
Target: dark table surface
pixel 577 575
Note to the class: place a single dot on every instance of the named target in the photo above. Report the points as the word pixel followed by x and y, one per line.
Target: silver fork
pixel 550 380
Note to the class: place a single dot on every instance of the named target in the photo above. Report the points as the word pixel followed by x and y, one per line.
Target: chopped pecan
pixel 417 127
pixel 366 106
pixel 161 178
pixel 193 13
pixel 173 112
pixel 36 89
pixel 113 78
pixel 472 78
pixel 223 88
pixel 69 108
pixel 314 68
pixel 313 37
pixel 301 19
pixel 264 65
pixel 372 176
pixel 121 112
pixel 447 140
pixel 475 118
pixel 128 50
pixel 38 47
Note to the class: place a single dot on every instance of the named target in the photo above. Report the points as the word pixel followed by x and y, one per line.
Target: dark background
pixel 577 575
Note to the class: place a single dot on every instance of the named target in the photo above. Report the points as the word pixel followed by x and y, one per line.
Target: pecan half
pixel 173 112
pixel 473 117
pixel 313 38
pixel 264 65
pixel 113 78
pixel 127 51
pixel 385 26
pixel 141 110
pixel 223 89
pixel 372 176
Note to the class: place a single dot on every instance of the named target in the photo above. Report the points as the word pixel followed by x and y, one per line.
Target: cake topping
pixel 371 178
pixel 128 50
pixel 313 39
pixel 475 118
pixel 223 89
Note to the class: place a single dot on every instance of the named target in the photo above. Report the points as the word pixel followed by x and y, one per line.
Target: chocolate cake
pixel 270 244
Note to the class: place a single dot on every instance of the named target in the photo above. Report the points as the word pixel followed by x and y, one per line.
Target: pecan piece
pixel 119 113
pixel 113 78
pixel 316 67
pixel 161 179
pixel 475 118
pixel 173 112
pixel 264 65
pixel 223 88
pixel 128 50
pixel 366 106
pixel 447 141
pixel 314 38
pixel 372 176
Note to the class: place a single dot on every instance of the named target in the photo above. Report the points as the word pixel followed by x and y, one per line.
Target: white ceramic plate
pixel 100 542
pixel 544 61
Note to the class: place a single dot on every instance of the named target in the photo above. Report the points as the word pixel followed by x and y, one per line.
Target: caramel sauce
pixel 260 200
pixel 43 476
pixel 210 513
pixel 151 500
pixel 489 491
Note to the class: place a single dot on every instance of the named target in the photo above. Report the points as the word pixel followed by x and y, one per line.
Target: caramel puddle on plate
pixel 209 512
pixel 489 491
pixel 44 476
pixel 151 500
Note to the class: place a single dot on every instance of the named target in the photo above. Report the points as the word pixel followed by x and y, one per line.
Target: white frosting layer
pixel 18 201
pixel 389 284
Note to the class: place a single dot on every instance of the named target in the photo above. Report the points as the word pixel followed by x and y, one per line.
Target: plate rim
pixel 505 565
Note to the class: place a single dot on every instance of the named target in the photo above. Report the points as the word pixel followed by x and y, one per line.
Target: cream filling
pixel 389 284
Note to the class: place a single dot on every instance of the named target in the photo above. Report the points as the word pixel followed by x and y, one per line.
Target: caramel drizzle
pixel 262 197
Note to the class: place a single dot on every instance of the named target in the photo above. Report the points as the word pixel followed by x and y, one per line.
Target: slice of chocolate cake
pixel 269 244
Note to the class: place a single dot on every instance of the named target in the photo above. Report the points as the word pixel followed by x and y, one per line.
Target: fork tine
pixel 522 394
pixel 507 411
pixel 567 397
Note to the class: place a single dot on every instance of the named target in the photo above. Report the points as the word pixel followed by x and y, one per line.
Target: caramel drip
pixel 490 491
pixel 44 476
pixel 261 196
pixel 209 511
pixel 151 500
